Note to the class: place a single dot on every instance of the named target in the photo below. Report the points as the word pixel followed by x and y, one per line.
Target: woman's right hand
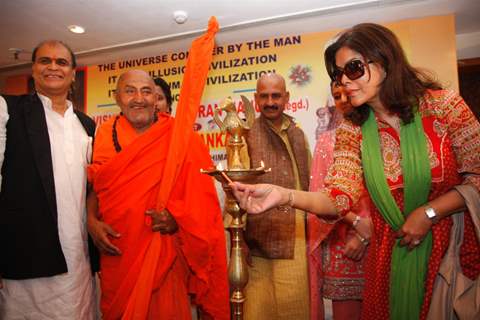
pixel 257 198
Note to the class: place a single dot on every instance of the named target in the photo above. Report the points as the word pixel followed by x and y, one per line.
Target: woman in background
pixel 164 102
pixel 335 250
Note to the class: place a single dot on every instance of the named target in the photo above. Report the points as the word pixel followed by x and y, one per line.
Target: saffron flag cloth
pixel 193 83
pixel 191 261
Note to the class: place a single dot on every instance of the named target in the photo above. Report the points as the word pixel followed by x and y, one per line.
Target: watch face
pixel 430 213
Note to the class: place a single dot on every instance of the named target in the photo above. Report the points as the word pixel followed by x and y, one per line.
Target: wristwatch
pixel 431 213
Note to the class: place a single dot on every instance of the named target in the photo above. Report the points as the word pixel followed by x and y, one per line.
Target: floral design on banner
pixel 300 75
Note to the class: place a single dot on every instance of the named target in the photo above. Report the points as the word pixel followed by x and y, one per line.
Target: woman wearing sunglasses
pixel 410 144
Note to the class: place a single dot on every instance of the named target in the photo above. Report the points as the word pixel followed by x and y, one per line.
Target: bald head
pixel 272 97
pixel 136 97
pixel 272 78
pixel 134 74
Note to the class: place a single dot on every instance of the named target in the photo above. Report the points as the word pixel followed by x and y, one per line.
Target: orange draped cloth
pixel 137 285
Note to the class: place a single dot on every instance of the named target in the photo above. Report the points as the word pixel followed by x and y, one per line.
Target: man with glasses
pixel 45 146
pixel 278 281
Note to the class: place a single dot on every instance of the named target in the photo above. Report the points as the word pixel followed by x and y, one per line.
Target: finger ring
pixel 363 240
pixel 416 242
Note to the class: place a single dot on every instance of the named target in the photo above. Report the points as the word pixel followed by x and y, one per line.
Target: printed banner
pixel 298 58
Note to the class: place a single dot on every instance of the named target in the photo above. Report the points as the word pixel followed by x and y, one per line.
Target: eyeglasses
pixel 353 69
pixel 59 61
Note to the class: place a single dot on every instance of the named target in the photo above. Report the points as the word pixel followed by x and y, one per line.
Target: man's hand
pixel 101 233
pixel 162 221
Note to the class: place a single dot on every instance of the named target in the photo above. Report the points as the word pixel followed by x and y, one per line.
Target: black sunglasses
pixel 353 69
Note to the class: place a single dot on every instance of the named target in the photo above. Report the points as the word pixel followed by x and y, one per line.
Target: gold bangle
pixel 286 207
pixel 290 199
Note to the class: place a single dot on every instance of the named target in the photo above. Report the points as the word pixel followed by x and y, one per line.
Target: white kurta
pixel 70 295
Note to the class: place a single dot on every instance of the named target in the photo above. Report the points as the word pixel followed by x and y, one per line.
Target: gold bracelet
pixel 286 207
pixel 290 199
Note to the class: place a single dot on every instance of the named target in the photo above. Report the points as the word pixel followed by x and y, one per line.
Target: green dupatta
pixel 408 268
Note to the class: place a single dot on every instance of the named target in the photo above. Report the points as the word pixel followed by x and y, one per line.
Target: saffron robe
pixel 192 261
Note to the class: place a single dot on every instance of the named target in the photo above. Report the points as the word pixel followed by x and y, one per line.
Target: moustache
pixel 270 107
pixel 136 104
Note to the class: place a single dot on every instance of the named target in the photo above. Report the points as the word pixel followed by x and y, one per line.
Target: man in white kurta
pixel 69 295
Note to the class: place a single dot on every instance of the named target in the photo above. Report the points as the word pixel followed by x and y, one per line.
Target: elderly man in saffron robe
pixel 153 262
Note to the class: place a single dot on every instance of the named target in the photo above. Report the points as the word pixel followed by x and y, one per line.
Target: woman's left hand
pixel 415 228
pixel 364 227
pixel 354 247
